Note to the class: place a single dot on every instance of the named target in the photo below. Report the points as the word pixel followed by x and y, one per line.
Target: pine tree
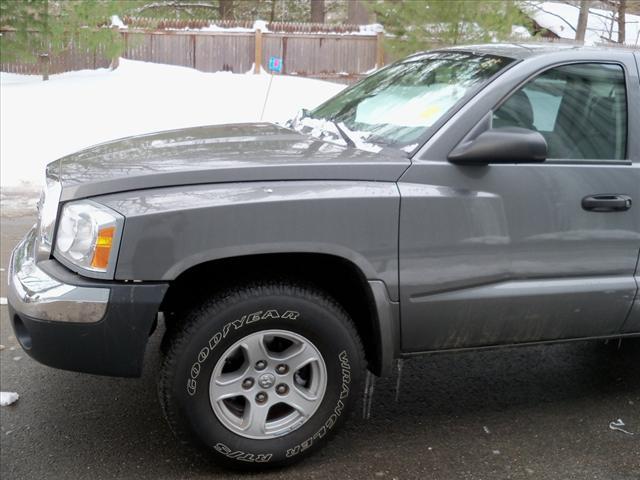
pixel 423 24
pixel 36 30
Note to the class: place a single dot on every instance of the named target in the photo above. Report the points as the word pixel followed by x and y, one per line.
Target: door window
pixel 580 109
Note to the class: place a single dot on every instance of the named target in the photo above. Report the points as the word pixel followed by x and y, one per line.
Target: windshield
pixel 395 106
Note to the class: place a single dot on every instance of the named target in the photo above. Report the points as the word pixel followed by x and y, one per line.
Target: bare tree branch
pixel 607 22
pixel 538 7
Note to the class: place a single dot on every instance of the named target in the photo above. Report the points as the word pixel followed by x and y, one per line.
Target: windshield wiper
pixel 345 136
pixel 320 127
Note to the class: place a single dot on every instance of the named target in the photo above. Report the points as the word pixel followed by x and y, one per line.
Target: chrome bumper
pixel 36 294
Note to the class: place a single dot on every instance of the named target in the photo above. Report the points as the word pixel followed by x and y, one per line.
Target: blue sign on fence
pixel 275 64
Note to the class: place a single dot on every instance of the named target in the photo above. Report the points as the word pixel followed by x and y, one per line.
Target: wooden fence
pixel 73 58
pixel 343 55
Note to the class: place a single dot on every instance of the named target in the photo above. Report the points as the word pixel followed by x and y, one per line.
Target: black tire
pixel 196 345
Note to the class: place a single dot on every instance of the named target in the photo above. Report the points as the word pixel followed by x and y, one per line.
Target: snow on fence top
pixel 239 26
pixel 602 25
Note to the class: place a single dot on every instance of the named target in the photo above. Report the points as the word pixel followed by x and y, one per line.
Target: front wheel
pixel 261 375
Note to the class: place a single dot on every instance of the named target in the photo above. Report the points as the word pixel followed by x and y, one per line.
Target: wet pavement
pixel 520 413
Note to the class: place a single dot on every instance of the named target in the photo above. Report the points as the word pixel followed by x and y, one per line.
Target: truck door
pixel 509 253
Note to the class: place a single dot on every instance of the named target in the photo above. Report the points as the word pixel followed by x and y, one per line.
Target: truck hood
pixel 215 154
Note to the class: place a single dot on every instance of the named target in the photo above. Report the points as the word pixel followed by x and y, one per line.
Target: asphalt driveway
pixel 527 413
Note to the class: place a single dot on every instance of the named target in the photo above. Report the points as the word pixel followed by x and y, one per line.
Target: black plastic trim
pixel 114 346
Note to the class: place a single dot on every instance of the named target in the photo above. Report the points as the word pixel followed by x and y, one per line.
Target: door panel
pixel 506 253
pixel 632 325
pixel 518 260
pixel 508 310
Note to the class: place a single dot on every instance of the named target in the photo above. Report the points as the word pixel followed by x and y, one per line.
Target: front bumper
pixel 69 322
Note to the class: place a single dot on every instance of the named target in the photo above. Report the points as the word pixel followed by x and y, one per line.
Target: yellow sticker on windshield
pixel 430 112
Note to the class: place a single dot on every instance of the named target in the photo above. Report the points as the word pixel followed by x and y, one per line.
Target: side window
pixel 580 109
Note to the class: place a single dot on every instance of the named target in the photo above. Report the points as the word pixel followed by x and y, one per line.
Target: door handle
pixel 607 203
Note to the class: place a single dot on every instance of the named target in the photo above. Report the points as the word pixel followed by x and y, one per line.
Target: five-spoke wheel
pixel 267 384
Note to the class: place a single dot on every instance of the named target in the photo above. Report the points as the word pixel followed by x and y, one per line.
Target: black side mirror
pixel 501 145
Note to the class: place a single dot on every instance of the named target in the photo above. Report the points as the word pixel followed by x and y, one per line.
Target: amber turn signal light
pixel 102 252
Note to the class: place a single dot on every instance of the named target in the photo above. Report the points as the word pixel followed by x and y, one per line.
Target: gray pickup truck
pixel 461 198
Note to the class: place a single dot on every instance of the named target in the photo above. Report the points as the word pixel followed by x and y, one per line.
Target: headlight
pixel 47 212
pixel 88 236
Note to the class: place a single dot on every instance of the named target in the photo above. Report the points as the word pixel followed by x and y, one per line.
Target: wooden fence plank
pixel 257 63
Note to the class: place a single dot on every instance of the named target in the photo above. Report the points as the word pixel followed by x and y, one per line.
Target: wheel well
pixel 339 277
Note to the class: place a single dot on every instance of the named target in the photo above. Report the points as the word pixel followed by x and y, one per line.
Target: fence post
pixel 115 60
pixel 193 51
pixel 258 52
pixel 379 50
pixel 45 61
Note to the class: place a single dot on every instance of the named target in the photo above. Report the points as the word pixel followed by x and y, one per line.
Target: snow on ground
pixel 7 398
pixel 562 19
pixel 42 121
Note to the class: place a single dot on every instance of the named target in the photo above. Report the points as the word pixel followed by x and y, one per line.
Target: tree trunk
pixel 272 17
pixel 44 56
pixel 622 24
pixel 582 21
pixel 225 9
pixel 317 11
pixel 357 13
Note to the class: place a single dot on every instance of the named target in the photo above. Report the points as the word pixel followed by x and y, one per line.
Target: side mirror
pixel 501 145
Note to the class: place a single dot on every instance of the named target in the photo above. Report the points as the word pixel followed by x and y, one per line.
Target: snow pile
pixel 261 25
pixel 116 21
pixel 7 398
pixel 42 121
pixel 519 32
pixel 212 27
pixel 371 29
pixel 602 26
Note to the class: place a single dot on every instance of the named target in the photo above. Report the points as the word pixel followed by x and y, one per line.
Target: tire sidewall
pixel 214 334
